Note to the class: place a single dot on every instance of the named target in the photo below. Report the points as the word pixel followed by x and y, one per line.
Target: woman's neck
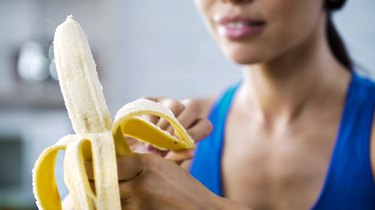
pixel 282 88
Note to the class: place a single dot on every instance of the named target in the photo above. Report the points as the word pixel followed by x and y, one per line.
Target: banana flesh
pixel 96 137
pixel 79 80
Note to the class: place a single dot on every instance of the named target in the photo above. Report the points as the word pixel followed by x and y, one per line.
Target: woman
pixel 295 133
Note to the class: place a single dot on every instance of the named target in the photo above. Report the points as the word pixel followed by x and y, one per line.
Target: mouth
pixel 239 27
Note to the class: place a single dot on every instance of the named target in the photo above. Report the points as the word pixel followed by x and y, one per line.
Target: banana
pixel 96 137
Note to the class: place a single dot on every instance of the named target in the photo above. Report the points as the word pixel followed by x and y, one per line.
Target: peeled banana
pixel 96 137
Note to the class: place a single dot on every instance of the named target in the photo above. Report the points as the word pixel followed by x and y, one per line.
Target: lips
pixel 239 27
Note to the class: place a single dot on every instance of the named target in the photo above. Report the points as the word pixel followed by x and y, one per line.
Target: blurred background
pixel 142 48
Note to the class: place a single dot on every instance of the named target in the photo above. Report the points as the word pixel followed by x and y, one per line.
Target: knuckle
pixel 175 106
pixel 194 105
pixel 202 130
pixel 193 134
pixel 208 127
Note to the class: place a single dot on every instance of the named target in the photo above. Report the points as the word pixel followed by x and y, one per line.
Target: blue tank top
pixel 349 182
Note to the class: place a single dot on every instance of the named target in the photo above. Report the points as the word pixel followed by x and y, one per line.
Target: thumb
pixel 130 166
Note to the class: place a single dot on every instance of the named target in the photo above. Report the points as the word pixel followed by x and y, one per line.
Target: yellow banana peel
pixel 96 137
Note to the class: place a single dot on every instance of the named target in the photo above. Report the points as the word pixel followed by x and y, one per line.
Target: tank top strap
pixel 349 183
pixel 206 165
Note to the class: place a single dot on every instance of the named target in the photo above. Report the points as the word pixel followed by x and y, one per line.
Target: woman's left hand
pixel 192 115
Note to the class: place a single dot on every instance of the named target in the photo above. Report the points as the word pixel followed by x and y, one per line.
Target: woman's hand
pixel 147 181
pixel 150 182
pixel 190 114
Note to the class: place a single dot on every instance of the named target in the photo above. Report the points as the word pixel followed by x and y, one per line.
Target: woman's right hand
pixel 190 113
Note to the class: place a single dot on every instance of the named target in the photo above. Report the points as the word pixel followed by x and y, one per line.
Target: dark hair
pixel 334 40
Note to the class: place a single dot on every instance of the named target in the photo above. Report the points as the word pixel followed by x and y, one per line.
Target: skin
pixel 141 191
pixel 282 126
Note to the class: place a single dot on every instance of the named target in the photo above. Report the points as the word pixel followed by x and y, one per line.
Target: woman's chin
pixel 244 54
pixel 244 58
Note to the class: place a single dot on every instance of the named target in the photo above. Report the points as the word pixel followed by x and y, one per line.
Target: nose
pixel 237 1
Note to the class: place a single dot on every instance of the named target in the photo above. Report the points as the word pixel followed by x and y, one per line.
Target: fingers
pixel 136 146
pixel 186 112
pixel 200 130
pixel 180 156
pixel 156 151
pixel 176 108
pixel 192 110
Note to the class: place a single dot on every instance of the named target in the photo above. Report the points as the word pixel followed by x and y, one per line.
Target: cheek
pixel 292 21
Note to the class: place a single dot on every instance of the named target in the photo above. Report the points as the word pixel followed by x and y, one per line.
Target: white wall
pixel 155 47
pixel 162 48
pixel 357 26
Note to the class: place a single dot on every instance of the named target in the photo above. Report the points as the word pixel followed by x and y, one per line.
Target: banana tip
pixel 69 17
